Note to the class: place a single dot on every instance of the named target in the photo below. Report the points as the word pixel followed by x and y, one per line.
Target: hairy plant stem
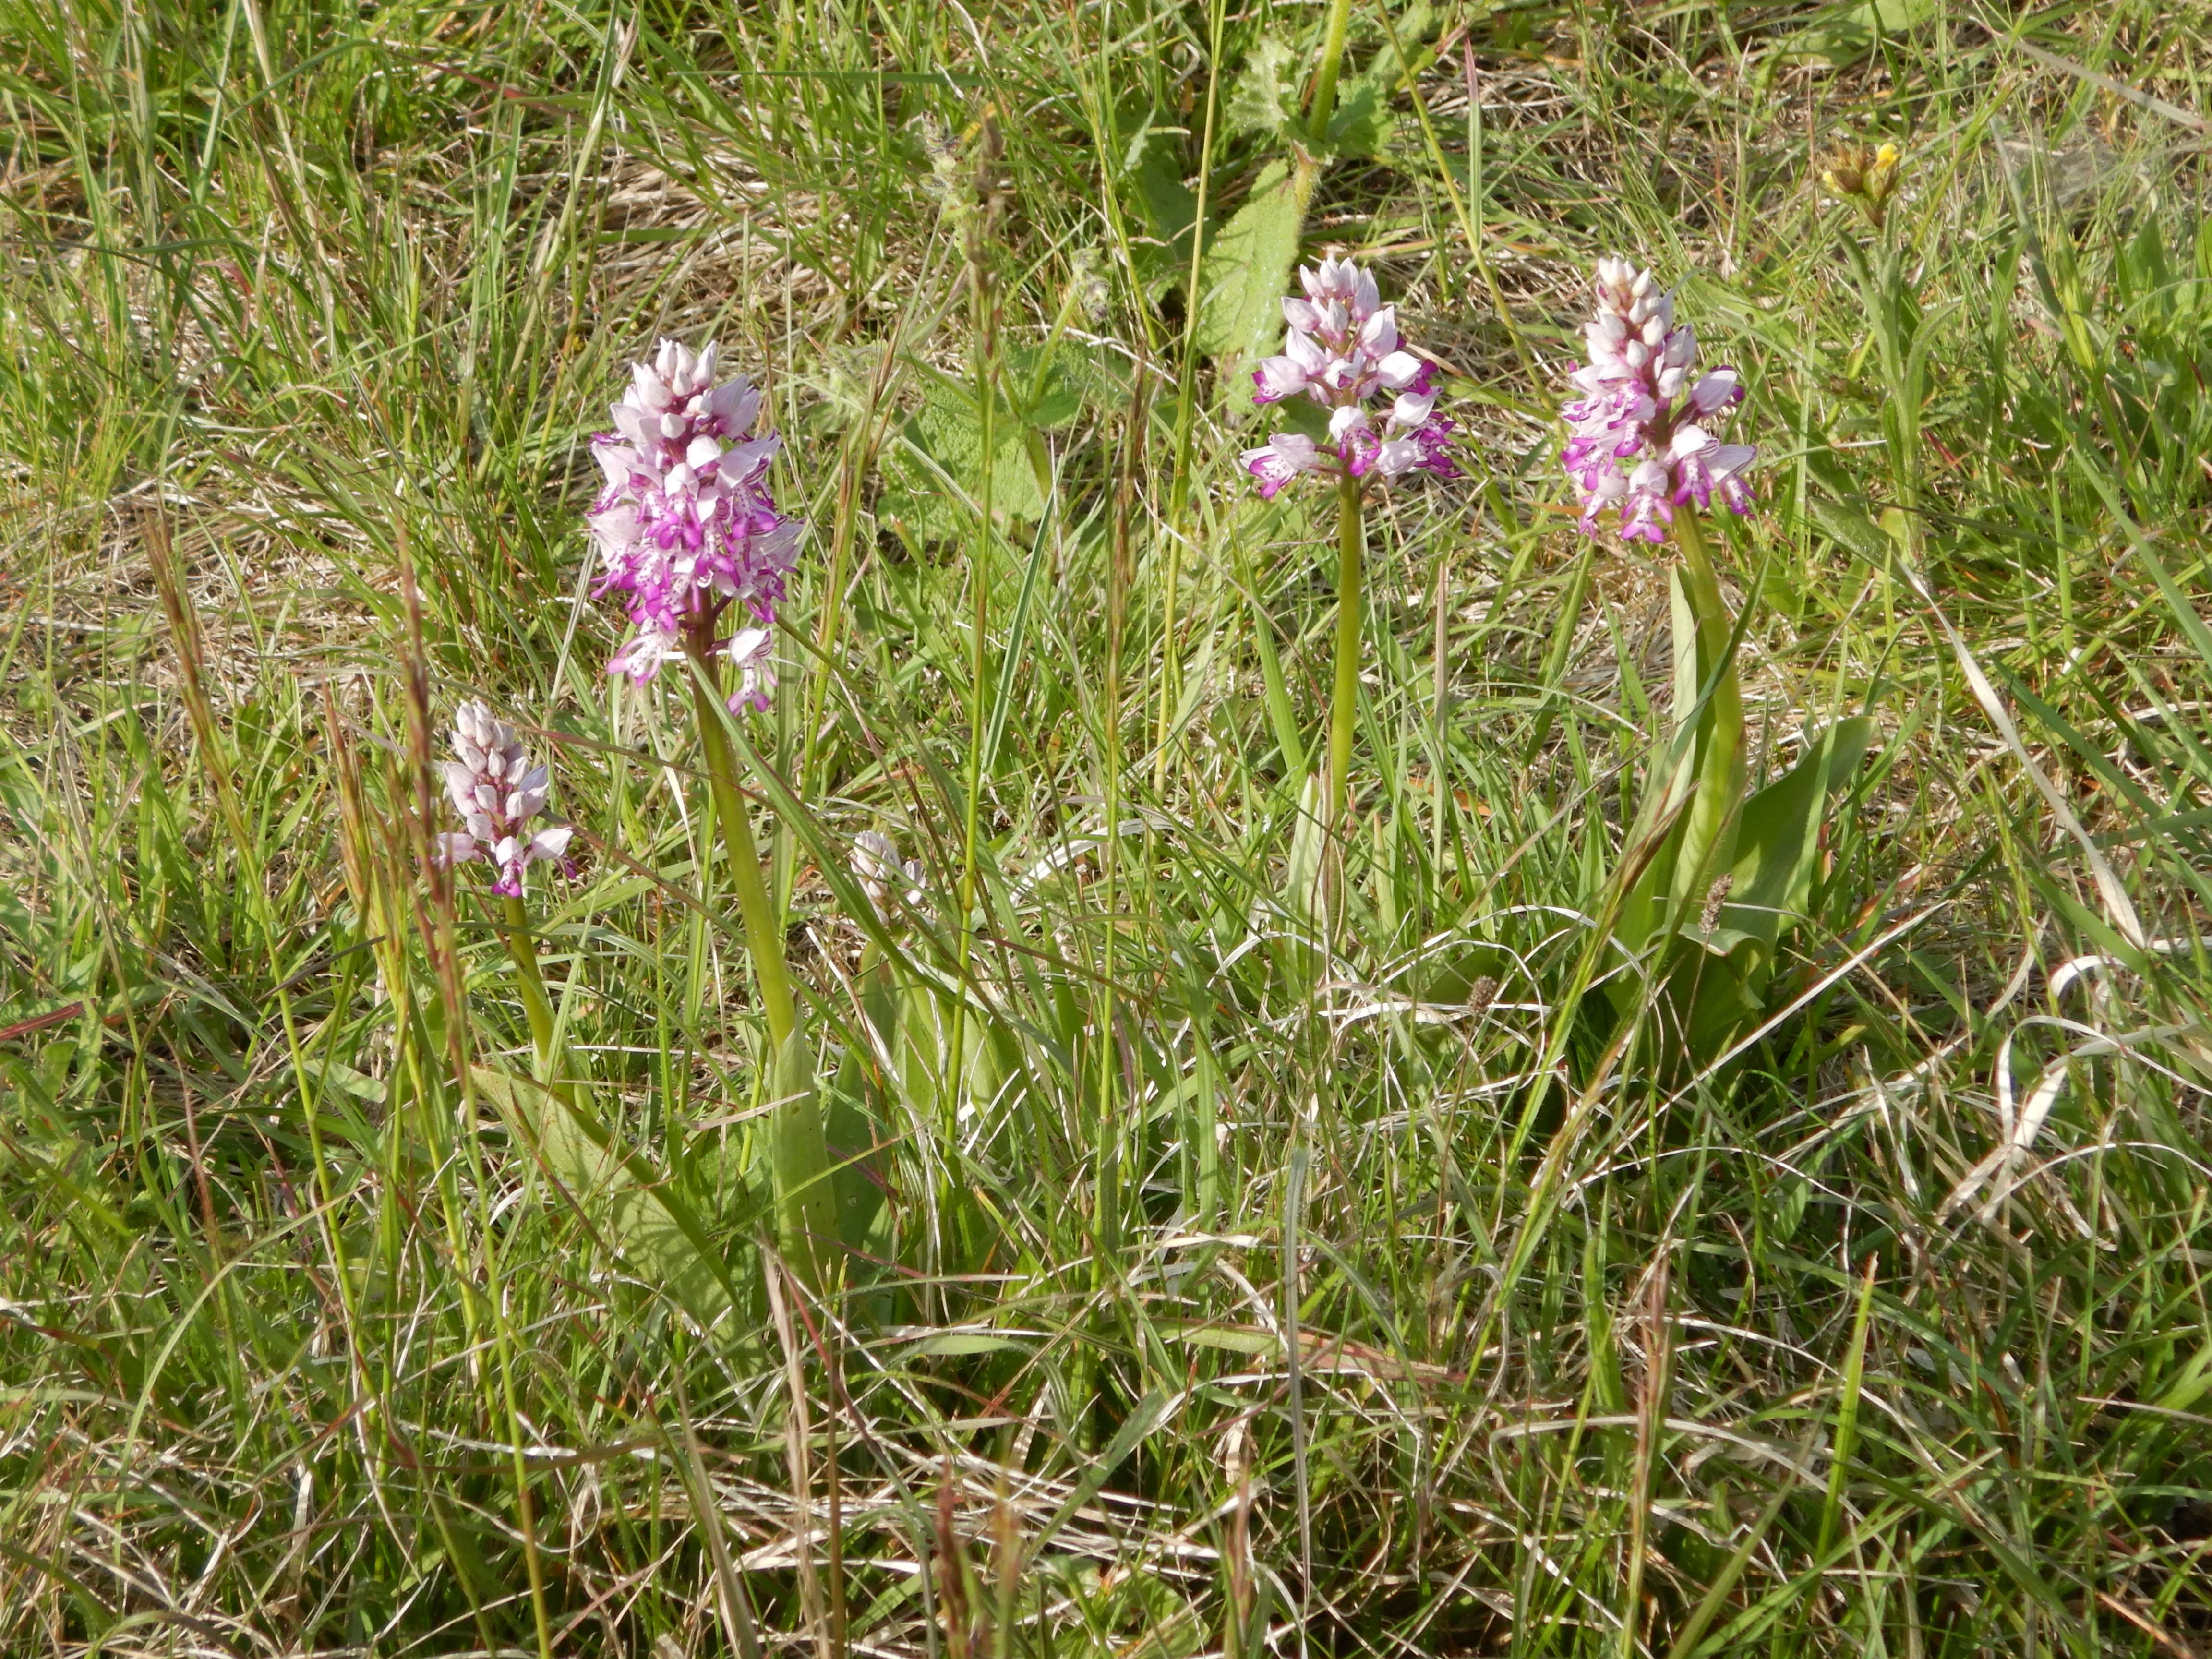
pixel 798 1156
pixel 1720 766
pixel 1344 699
pixel 1331 59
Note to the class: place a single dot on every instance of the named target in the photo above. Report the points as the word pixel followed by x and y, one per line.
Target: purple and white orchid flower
pixel 1344 353
pixel 1640 442
pixel 687 523
pixel 497 792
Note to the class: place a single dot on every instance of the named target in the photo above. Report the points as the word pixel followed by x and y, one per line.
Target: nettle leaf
pixel 1363 118
pixel 1162 203
pixel 1264 101
pixel 1248 269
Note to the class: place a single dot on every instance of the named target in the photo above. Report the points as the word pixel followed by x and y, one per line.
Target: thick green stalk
pixel 535 1003
pixel 1331 59
pixel 763 934
pixel 1344 699
pixel 799 1154
pixel 1720 766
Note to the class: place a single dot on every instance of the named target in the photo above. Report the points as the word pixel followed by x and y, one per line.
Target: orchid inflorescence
pixel 1343 351
pixel 686 522
pixel 497 792
pixel 1639 446
pixel 881 873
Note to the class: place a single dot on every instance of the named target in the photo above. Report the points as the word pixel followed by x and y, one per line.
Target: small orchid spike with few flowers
pixel 686 522
pixel 1640 444
pixel 1344 353
pixel 876 863
pixel 497 792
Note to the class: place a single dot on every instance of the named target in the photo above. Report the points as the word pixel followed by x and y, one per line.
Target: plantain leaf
pixel 1248 268
pixel 658 1234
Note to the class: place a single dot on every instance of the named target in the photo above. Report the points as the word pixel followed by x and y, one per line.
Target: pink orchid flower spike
pixel 497 792
pixel 1640 438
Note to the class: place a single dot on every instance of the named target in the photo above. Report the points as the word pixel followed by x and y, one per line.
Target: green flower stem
pixel 1344 702
pixel 1720 764
pixel 762 933
pixel 535 1003
pixel 1332 57
pixel 799 1155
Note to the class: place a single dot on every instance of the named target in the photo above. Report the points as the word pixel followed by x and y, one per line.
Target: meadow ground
pixel 1230 1270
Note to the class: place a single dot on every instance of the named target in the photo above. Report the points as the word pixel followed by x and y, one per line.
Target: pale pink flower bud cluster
pixel 686 522
pixel 1640 443
pixel 497 792
pixel 876 862
pixel 1343 352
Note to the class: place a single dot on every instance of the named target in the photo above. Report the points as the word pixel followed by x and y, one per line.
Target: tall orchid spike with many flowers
pixel 689 529
pixel 1640 444
pixel 1343 352
pixel 497 792
pixel 687 524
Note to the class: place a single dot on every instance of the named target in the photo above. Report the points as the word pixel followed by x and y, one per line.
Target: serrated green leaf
pixel 935 472
pixel 1248 269
pixel 1264 101
pixel 1364 122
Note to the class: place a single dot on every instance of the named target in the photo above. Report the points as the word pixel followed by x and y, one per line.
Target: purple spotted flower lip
pixel 1343 352
pixel 497 792
pixel 686 523
pixel 1640 442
